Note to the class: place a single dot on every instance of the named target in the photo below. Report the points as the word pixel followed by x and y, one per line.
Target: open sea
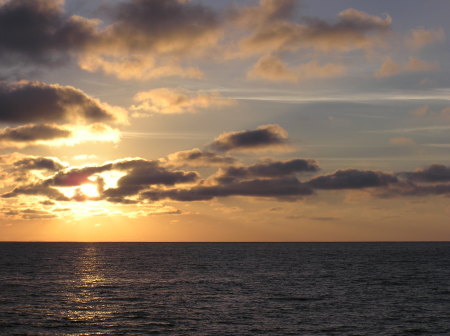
pixel 225 289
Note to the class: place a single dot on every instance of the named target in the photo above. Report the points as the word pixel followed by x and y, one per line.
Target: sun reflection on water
pixel 88 296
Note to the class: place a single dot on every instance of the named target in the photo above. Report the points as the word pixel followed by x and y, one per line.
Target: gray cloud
pixel 269 169
pixel 31 102
pixel 405 189
pixel 161 25
pixel 28 214
pixel 140 174
pixel 32 133
pixel 275 188
pixel 198 158
pixel 36 190
pixel 352 179
pixel 267 137
pixel 75 177
pixel 38 163
pixel 433 173
pixel 148 174
pixel 352 30
pixel 40 32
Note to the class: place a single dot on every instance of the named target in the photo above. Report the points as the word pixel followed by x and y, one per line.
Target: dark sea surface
pixel 225 289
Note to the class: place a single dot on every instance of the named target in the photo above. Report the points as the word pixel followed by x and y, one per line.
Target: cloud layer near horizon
pixel 142 181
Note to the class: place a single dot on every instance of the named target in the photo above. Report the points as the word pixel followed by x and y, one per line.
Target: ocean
pixel 225 289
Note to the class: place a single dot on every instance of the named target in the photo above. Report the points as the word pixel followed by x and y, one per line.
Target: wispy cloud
pixel 418 129
pixel 433 95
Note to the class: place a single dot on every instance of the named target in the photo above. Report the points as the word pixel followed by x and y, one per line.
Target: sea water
pixel 225 289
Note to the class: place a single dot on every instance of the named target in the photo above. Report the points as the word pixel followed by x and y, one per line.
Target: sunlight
pixel 90 190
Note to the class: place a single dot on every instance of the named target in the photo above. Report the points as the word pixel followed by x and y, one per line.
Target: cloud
pixel 36 190
pixel 22 170
pixel 139 182
pixel 419 38
pixel 176 101
pixel 445 112
pixel 267 169
pixel 30 134
pixel 267 11
pixel 28 214
pixel 163 26
pixel 39 163
pixel 148 174
pixel 39 31
pixel 390 68
pixel 271 30
pixel 272 68
pixel 267 137
pixel 408 189
pixel 421 111
pixel 433 173
pixel 144 39
pixel 75 176
pixel 150 39
pixel 141 67
pixel 198 158
pixel 29 102
pixel 275 188
pixel 402 141
pixel 55 135
pixel 139 174
pixel 352 179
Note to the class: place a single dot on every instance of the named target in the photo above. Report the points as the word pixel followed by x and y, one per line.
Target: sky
pixel 220 120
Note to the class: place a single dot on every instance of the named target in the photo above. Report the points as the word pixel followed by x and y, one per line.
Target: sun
pixel 90 190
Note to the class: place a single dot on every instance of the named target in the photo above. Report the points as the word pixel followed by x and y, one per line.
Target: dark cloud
pixel 140 174
pixel 32 133
pixel 199 158
pixel 270 169
pixel 277 188
pixel 433 173
pixel 76 176
pixel 39 163
pixel 267 137
pixel 352 179
pixel 31 102
pixel 324 219
pixel 148 174
pixel 405 189
pixel 40 32
pixel 162 25
pixel 29 214
pixel 36 190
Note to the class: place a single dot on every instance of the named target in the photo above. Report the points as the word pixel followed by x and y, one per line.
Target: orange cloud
pixel 421 111
pixel 177 101
pixel 353 30
pixel 140 67
pixel 419 38
pixel 272 68
pixel 390 68
pixel 402 141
